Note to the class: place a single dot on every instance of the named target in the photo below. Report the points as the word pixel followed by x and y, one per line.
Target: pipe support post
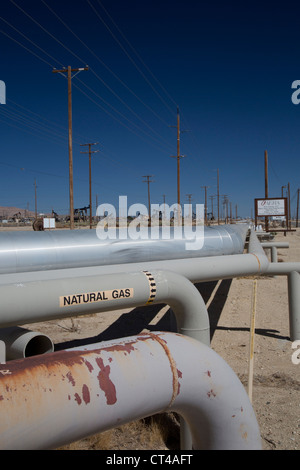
pixel 294 304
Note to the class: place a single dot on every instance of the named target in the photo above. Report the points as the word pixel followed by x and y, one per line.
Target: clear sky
pixel 228 65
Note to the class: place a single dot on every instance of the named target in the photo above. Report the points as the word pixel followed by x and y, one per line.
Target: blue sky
pixel 228 66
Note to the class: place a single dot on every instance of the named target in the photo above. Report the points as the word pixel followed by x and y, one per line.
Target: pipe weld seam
pixel 172 364
pixel 259 265
pixel 152 287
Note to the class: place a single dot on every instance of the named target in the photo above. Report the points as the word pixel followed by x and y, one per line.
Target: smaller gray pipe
pixel 282 269
pixel 276 244
pixel 36 301
pixel 273 248
pixel 21 343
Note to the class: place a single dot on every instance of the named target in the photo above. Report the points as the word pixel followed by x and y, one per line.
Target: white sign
pixel 49 223
pixel 268 207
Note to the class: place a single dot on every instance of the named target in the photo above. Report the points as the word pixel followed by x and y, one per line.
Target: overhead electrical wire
pixel 105 65
pixel 122 123
pixel 39 117
pixel 138 56
pixel 129 56
pixel 26 48
pixel 64 46
pixel 116 111
pixel 111 115
pixel 75 55
pixel 102 81
pixel 45 30
pixel 28 39
pixel 29 122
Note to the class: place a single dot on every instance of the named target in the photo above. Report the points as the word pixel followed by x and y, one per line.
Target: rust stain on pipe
pixel 105 383
pixel 175 373
pixel 26 383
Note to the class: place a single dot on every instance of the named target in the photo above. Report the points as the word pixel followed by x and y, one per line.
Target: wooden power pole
pixel 69 71
pixel 35 199
pixel 178 156
pixel 148 181
pixel 205 206
pixel 266 188
pixel 189 196
pixel 218 197
pixel 289 208
pixel 90 176
pixel 297 215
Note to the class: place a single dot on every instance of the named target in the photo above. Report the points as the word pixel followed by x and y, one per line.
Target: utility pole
pixel 189 196
pixel 218 196
pixel 286 222
pixel 289 209
pixel 90 175
pixel 69 71
pixel 164 197
pixel 205 206
pixel 225 205
pixel 297 216
pixel 35 198
pixel 212 206
pixel 148 181
pixel 266 188
pixel 178 156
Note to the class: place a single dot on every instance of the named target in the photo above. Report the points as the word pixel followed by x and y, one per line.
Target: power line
pixel 129 57
pixel 102 63
pixel 63 45
pixel 118 112
pixel 39 117
pixel 46 31
pixel 75 55
pixel 26 48
pixel 30 123
pixel 138 56
pixel 29 40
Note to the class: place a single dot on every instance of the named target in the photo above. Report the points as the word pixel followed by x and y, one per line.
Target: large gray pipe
pixel 195 269
pixel 52 400
pixel 35 251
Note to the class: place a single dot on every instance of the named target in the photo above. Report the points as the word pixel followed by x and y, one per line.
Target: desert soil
pixel 276 379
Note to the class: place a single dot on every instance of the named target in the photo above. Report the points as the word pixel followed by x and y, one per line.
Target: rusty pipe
pixel 52 400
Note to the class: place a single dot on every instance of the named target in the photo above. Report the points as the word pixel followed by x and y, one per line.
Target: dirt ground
pixel 276 379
